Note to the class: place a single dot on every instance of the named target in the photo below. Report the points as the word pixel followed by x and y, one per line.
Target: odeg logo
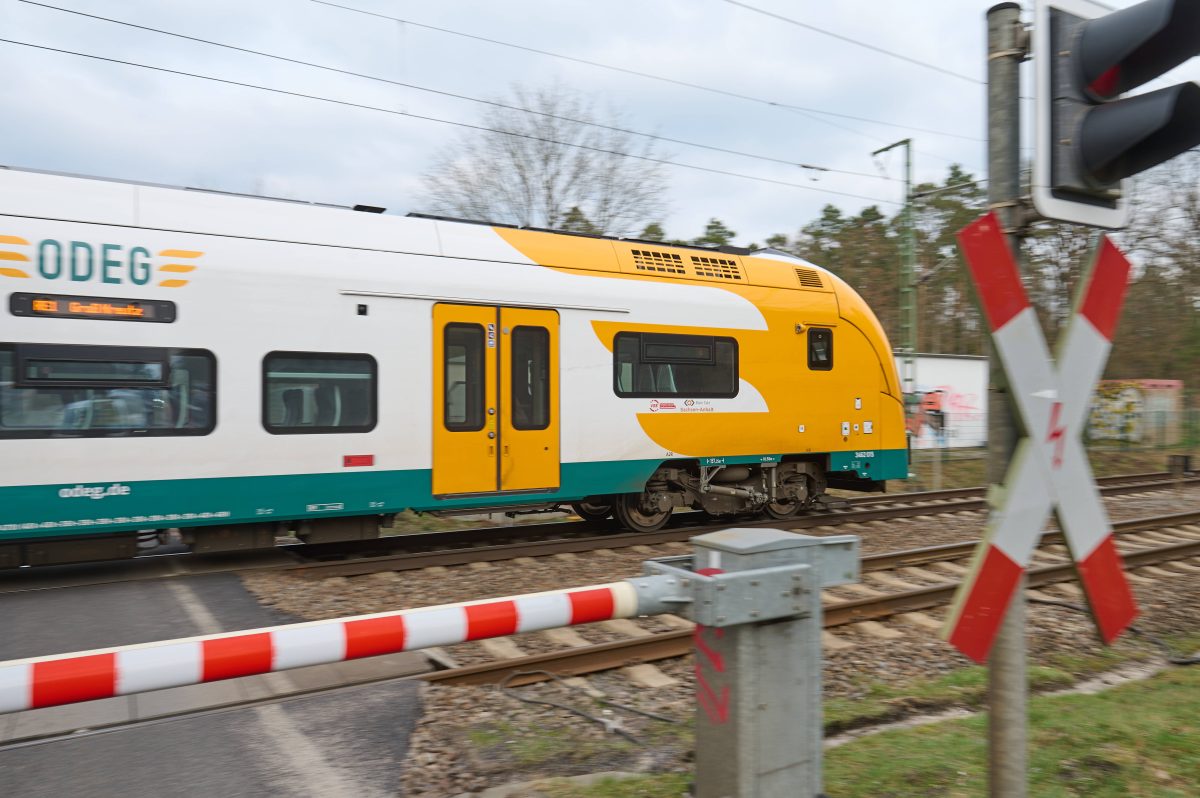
pixel 95 492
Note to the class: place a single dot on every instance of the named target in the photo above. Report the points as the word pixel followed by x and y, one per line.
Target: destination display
pixel 62 306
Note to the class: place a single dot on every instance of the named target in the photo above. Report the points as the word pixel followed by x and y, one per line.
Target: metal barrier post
pixel 756 599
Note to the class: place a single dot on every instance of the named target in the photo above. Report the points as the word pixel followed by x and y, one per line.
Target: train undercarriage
pixel 775 490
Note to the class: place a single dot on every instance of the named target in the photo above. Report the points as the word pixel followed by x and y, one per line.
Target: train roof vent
pixel 716 268
pixel 648 260
pixel 809 278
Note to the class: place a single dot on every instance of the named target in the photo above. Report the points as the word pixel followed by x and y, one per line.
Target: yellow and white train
pixel 236 367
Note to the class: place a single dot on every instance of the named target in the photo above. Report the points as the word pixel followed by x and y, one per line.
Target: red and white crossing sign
pixel 1050 469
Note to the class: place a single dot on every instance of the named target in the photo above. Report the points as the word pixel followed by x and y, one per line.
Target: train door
pixel 529 399
pixel 495 399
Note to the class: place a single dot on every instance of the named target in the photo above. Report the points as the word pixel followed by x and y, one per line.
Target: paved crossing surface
pixel 347 743
pixel 172 742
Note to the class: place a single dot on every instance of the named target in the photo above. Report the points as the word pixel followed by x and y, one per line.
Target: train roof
pixel 129 203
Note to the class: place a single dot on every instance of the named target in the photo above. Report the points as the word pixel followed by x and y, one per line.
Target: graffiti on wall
pixel 943 416
pixel 1116 413
pixel 948 407
pixel 1136 411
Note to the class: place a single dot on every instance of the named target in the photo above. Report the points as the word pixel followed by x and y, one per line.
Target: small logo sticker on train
pixel 95 491
pixel 686 406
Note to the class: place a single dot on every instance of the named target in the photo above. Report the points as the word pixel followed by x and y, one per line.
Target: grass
pixel 1139 740
pixel 666 785
pixel 526 748
pixel 880 702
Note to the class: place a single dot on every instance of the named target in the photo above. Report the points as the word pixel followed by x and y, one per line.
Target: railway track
pixel 903 583
pixel 495 544
pixel 447 549
pixel 1148 545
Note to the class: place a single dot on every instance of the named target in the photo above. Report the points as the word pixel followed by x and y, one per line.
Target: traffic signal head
pixel 1089 137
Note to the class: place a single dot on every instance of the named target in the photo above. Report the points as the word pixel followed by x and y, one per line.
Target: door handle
pixel 491 435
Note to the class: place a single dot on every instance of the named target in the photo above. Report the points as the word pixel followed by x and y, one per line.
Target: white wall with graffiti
pixel 949 405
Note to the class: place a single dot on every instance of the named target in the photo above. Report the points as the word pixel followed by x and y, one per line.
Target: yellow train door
pixel 465 426
pixel 495 399
pixel 529 428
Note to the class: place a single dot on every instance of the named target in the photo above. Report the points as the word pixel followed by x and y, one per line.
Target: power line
pixel 850 40
pixel 650 76
pixel 493 103
pixel 350 104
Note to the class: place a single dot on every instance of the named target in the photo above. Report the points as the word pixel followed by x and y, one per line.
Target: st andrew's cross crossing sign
pixel 1050 469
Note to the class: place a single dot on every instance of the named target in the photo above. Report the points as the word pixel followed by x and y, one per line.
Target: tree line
pixel 564 166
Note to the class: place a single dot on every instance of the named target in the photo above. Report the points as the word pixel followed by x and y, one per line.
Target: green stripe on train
pixel 873 464
pixel 80 509
pixel 75 509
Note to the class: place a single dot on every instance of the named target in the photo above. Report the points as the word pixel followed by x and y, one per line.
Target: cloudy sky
pixel 64 112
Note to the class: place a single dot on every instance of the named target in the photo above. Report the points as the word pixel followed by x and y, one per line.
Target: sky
pixel 68 113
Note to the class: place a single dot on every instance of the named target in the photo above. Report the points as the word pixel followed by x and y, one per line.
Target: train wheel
pixel 592 511
pixel 628 511
pixel 781 510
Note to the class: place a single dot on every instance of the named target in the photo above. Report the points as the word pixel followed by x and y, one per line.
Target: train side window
pixel 318 392
pixel 465 376
pixel 530 378
pixel 661 365
pixel 820 348
pixel 69 391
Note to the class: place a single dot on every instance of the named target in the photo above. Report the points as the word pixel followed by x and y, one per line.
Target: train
pixel 233 369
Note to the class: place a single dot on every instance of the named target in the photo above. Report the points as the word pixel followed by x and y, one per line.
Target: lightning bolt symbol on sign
pixel 1056 434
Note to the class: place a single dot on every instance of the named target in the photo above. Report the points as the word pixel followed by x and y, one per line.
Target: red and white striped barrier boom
pixel 1050 469
pixel 85 676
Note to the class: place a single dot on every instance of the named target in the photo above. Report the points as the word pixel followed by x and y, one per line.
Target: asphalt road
pixel 350 742
pixel 43 622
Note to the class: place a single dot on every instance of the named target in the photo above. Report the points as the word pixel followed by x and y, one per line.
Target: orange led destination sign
pixel 61 306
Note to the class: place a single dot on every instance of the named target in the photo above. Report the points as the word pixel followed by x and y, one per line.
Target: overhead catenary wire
pixel 465 125
pixel 651 76
pixel 856 42
pixel 453 95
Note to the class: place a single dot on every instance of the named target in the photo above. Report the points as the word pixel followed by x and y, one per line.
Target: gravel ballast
pixel 474 738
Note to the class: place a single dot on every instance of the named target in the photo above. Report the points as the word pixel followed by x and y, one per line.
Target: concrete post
pixel 758 659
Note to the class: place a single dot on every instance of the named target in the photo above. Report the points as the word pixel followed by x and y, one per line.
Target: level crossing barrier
pixel 64 679
pixel 753 593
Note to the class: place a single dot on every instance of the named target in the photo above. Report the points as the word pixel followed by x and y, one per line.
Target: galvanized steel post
pixel 756 599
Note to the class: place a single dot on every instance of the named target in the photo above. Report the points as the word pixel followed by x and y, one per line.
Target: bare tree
pixel 1164 231
pixel 554 162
